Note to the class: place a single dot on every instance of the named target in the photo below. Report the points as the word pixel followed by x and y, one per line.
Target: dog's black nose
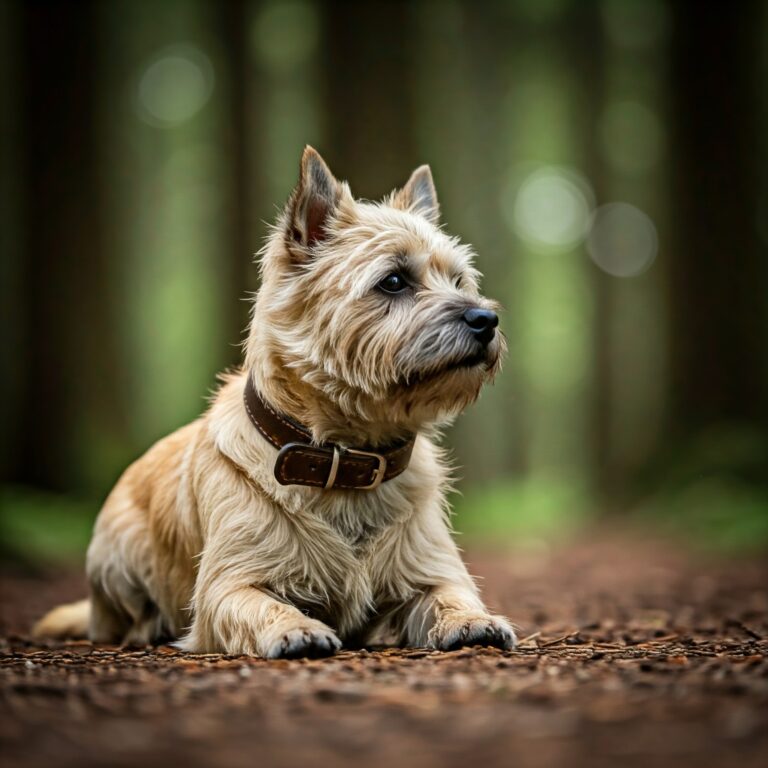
pixel 482 322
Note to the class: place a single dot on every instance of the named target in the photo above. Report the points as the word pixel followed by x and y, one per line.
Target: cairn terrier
pixel 307 508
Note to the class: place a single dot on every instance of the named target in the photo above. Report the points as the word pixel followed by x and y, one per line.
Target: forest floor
pixel 633 653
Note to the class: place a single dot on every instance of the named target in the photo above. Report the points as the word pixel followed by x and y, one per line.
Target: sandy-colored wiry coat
pixel 199 543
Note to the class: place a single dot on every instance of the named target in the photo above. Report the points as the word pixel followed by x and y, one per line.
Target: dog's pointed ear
pixel 313 201
pixel 419 195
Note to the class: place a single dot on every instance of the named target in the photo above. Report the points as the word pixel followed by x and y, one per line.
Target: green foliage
pixel 714 491
pixel 37 527
pixel 542 507
pixel 721 513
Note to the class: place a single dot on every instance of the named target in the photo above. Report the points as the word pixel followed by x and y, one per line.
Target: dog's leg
pixel 447 612
pixel 119 568
pixel 247 620
pixel 246 548
pixel 107 623
pixel 450 616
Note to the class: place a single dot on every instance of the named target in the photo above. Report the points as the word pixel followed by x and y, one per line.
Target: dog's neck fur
pixel 324 418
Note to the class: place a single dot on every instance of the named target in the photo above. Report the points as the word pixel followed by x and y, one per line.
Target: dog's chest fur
pixel 346 540
pixel 343 557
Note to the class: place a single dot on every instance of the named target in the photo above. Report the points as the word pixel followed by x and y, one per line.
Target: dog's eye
pixel 457 281
pixel 393 283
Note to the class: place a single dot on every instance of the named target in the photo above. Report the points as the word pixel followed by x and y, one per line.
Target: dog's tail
pixel 70 620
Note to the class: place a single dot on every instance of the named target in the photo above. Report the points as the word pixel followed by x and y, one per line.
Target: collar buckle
pixel 378 473
pixel 301 462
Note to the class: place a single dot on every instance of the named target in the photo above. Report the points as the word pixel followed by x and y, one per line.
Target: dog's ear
pixel 419 195
pixel 312 202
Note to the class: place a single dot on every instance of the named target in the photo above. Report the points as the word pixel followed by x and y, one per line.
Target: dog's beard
pixel 436 355
pixel 434 398
pixel 445 383
pixel 475 365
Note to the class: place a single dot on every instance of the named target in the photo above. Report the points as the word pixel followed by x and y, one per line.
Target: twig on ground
pixel 559 640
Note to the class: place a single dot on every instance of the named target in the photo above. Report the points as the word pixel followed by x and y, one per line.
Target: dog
pixel 307 508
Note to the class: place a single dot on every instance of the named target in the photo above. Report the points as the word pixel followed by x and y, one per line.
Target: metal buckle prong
pixel 378 473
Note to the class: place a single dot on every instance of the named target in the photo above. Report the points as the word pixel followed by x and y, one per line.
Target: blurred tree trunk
pixel 370 114
pixel 69 349
pixel 232 19
pixel 718 330
pixel 586 44
pixel 629 314
pixel 11 234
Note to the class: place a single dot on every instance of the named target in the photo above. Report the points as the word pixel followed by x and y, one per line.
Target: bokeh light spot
pixel 175 86
pixel 622 240
pixel 551 209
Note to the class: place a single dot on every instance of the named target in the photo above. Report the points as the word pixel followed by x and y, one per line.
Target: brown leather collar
pixel 299 462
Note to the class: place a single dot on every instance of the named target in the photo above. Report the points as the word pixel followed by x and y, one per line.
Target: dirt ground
pixel 632 653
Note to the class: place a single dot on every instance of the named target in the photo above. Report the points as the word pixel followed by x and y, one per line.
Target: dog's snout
pixel 482 323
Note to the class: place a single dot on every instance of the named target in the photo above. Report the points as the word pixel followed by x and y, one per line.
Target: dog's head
pixel 369 320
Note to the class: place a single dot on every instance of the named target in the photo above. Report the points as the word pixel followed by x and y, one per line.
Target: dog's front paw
pixel 312 640
pixel 456 629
